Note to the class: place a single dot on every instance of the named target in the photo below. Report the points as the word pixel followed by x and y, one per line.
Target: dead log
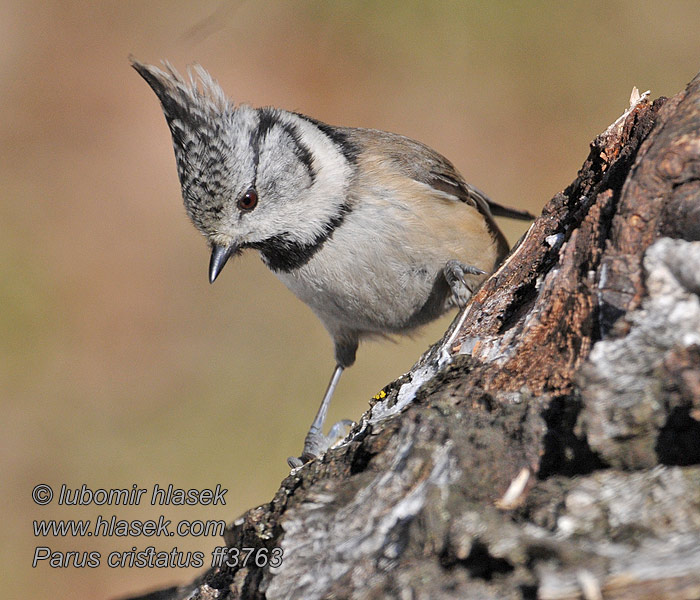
pixel 549 445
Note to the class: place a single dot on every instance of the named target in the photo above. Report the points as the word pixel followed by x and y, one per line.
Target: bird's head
pixel 251 178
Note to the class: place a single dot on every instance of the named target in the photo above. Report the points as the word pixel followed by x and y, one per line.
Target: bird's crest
pixel 193 101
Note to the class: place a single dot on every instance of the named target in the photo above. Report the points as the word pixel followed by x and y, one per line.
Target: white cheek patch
pixel 282 175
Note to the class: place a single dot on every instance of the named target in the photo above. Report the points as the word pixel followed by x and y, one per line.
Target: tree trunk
pixel 549 445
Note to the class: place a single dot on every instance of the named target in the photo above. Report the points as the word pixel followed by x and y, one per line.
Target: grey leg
pixel 455 272
pixel 315 442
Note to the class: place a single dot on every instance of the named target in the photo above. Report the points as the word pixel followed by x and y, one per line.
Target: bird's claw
pixel 455 273
pixel 316 443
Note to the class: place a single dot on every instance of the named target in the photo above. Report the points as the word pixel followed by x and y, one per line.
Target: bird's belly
pixel 382 299
pixel 386 279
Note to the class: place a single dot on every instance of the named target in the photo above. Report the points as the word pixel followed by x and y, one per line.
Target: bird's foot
pixel 455 273
pixel 316 443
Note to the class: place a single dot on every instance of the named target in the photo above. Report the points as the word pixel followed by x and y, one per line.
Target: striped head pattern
pixel 250 176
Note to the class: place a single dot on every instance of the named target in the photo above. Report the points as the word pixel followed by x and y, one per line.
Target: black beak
pixel 219 256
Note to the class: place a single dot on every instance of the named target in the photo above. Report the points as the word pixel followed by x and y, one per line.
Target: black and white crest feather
pixel 194 101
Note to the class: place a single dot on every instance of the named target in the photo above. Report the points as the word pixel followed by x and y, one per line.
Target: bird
pixel 376 232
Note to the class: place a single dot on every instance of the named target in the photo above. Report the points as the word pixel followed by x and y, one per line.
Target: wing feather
pixel 432 169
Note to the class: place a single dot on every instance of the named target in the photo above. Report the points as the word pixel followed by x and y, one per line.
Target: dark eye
pixel 249 200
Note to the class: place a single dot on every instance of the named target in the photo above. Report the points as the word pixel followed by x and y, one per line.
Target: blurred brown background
pixel 119 363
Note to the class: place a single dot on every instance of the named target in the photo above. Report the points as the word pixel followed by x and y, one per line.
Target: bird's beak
pixel 219 256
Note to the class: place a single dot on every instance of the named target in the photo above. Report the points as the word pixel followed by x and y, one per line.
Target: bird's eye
pixel 248 201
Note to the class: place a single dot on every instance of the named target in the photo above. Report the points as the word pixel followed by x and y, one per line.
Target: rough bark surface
pixel 549 445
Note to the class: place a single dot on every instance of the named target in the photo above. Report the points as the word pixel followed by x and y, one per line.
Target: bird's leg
pixel 455 272
pixel 315 442
pixel 316 429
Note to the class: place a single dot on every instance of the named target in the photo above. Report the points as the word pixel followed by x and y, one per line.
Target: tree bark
pixel 549 445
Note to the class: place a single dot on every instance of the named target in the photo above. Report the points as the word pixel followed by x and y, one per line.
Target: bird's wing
pixel 429 167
